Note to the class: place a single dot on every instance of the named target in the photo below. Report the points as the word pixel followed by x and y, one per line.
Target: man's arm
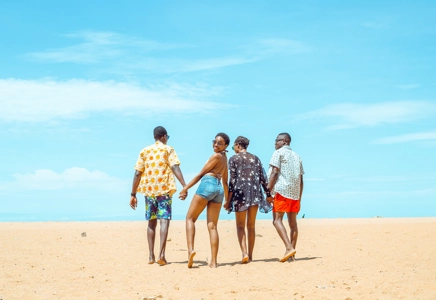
pixel 178 173
pixel 273 178
pixel 136 180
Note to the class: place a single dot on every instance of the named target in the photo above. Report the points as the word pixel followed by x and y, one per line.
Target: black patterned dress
pixel 247 176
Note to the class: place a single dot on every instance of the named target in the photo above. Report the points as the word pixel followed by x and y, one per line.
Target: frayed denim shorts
pixel 211 189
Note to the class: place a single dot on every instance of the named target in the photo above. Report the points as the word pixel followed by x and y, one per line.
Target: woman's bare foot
pixel 151 260
pixel 245 259
pixel 191 259
pixel 213 265
pixel 162 261
pixel 291 259
pixel 287 255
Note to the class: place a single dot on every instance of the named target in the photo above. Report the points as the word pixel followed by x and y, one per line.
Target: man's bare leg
pixel 197 206
pixel 164 226
pixel 292 219
pixel 251 230
pixel 281 230
pixel 213 213
pixel 240 230
pixel 151 228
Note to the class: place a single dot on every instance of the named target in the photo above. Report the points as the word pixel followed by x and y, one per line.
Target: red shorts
pixel 283 204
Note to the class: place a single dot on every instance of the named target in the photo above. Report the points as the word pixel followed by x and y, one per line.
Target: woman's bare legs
pixel 246 219
pixel 240 229
pixel 251 230
pixel 197 206
pixel 213 213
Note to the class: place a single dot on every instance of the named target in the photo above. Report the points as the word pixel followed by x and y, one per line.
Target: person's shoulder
pixel 234 157
pixel 147 148
pixel 295 154
pixel 169 148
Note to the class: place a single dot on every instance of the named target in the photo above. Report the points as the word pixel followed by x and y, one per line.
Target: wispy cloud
pixel 43 100
pixel 279 46
pixel 405 138
pixel 351 115
pixel 71 178
pixel 97 47
pixel 135 54
pixel 408 86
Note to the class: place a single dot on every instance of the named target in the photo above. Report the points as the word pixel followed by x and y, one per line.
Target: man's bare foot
pixel 191 259
pixel 288 254
pixel 245 260
pixel 162 261
pixel 151 260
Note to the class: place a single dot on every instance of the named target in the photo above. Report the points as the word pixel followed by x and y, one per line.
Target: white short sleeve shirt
pixel 291 168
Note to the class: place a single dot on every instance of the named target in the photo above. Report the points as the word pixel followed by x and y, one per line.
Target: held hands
pixel 133 202
pixel 226 205
pixel 270 199
pixel 183 194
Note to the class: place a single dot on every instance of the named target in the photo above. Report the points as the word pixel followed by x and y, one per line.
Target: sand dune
pixel 375 258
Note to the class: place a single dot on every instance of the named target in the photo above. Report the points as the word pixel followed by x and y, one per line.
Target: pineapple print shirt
pixel 155 162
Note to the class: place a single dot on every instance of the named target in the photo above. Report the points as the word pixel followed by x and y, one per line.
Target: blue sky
pixel 83 84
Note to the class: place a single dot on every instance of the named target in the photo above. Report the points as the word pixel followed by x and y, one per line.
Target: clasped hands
pixel 183 194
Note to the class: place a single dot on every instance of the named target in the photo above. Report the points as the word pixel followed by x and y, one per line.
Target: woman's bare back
pixel 220 167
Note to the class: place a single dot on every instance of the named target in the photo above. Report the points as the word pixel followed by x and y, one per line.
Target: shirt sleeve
pixel 276 160
pixel 173 159
pixel 140 163
pixel 232 169
pixel 301 168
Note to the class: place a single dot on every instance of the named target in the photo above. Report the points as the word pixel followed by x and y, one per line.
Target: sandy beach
pixel 376 258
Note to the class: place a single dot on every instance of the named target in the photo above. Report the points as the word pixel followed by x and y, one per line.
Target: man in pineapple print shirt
pixel 154 177
pixel 286 185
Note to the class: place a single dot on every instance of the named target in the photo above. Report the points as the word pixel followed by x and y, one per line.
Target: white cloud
pixel 351 115
pixel 404 138
pixel 43 100
pixel 125 53
pixel 97 47
pixel 182 65
pixel 72 178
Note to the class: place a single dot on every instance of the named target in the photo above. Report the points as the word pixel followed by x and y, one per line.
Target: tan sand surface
pixel 376 258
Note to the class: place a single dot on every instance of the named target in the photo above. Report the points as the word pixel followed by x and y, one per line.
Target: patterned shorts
pixel 158 207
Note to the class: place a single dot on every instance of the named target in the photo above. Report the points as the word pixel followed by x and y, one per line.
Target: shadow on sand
pixel 203 263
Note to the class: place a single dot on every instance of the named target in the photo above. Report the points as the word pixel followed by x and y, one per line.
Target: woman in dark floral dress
pixel 247 178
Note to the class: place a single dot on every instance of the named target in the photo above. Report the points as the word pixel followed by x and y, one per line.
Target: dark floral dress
pixel 246 178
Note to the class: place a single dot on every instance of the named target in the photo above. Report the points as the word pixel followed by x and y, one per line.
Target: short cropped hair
pixel 287 136
pixel 159 132
pixel 224 136
pixel 242 141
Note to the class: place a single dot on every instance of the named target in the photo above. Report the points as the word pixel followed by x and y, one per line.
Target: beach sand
pixel 377 258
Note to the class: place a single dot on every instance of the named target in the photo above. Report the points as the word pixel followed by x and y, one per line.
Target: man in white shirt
pixel 286 185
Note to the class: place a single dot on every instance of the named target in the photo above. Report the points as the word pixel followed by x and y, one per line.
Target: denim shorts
pixel 211 189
